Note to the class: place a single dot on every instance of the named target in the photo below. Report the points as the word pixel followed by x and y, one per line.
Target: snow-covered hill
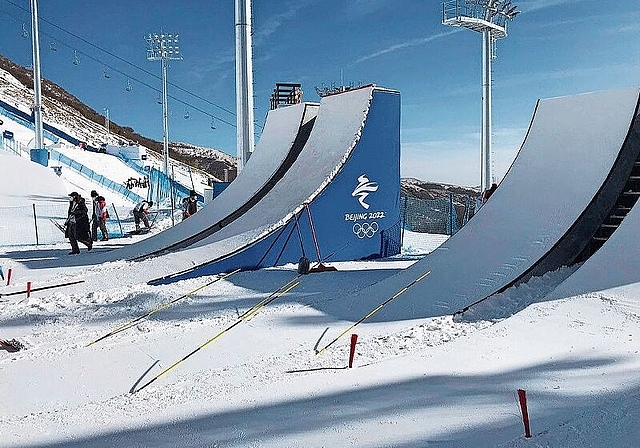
pixel 67 113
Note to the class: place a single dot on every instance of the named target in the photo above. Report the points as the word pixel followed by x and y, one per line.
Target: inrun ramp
pixel 564 180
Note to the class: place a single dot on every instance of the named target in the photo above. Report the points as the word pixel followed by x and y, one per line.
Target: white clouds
pixel 364 7
pixel 407 44
pixel 535 5
pixel 270 25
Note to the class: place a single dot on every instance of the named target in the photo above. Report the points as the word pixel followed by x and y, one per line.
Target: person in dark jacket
pixel 77 225
pixel 189 205
pixel 140 213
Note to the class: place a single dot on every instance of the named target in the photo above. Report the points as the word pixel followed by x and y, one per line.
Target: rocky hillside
pixel 215 162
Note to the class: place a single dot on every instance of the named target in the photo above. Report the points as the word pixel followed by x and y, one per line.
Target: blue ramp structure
pixel 340 200
pixel 571 169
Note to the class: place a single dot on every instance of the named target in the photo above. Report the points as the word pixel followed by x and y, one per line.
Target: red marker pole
pixel 352 350
pixel 522 397
pixel 9 276
pixel 28 289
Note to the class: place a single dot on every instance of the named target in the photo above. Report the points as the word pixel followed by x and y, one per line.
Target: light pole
pixel 489 17
pixel 106 119
pixel 244 83
pixel 37 89
pixel 164 47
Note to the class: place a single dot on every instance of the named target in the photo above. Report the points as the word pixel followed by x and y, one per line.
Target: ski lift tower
pixel 164 47
pixel 489 17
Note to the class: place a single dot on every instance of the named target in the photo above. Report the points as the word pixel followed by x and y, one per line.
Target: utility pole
pixel 164 47
pixel 106 119
pixel 489 17
pixel 37 89
pixel 244 83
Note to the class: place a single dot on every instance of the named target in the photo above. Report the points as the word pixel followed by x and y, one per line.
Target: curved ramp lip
pixel 304 131
pixel 265 231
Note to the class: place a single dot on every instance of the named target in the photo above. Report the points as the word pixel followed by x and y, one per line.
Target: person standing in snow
pixel 140 213
pixel 99 218
pixel 189 205
pixel 77 225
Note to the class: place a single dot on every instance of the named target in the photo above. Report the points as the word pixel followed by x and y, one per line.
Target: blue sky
pixel 554 47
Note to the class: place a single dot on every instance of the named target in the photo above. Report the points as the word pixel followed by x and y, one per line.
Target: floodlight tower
pixel 489 17
pixel 37 89
pixel 244 83
pixel 164 47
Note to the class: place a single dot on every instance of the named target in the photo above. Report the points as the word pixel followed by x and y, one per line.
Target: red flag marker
pixel 352 350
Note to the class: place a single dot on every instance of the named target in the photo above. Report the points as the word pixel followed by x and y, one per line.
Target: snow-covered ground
pixel 237 365
pixel 436 382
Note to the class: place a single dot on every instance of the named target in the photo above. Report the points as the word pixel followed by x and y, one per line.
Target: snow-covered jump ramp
pixel 563 182
pixel 338 201
pixel 285 133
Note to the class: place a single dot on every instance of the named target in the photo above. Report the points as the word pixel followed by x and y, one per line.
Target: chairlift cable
pixel 120 59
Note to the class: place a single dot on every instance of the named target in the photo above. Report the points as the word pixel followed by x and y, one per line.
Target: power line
pixel 149 86
pixel 126 62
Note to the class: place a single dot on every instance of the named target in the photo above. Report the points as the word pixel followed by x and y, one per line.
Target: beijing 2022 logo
pixel 364 225
pixel 365 186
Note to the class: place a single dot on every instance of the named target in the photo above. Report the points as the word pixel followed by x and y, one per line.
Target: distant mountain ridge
pixel 216 163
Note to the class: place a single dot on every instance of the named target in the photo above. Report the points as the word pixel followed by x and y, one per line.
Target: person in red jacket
pixel 99 218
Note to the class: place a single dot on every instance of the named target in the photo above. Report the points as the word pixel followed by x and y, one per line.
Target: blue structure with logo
pixel 356 216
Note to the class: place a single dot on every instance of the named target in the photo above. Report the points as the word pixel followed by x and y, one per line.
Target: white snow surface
pixel 423 382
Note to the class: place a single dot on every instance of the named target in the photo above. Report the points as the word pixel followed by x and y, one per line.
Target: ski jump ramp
pixel 339 200
pixel 565 179
pixel 285 133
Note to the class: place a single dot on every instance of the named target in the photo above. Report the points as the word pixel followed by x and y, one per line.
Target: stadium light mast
pixel 164 47
pixel 244 83
pixel 37 86
pixel 489 17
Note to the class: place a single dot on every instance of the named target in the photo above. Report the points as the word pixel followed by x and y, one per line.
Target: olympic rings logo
pixel 365 229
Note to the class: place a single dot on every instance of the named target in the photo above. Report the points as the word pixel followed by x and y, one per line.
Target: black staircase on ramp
pixel 623 205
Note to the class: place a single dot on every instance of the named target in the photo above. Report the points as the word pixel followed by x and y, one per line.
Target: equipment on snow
pixel 12 345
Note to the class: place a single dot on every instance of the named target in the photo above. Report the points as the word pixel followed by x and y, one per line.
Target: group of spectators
pixel 78 227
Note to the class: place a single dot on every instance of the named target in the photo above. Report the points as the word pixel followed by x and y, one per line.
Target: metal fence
pixel 444 216
pixel 95 177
